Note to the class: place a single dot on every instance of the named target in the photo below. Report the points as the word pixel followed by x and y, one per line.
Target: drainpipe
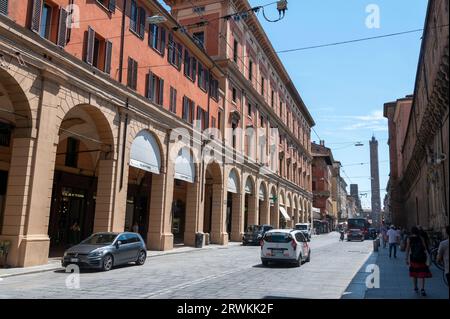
pixel 122 40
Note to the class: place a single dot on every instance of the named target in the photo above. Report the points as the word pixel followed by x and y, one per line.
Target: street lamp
pixel 156 19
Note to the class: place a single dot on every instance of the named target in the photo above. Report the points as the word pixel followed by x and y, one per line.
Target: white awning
pixel 284 214
pixel 249 186
pixel 233 182
pixel 184 166
pixel 145 153
pixel 262 193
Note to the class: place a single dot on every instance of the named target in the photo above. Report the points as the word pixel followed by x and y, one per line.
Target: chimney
pixel 322 143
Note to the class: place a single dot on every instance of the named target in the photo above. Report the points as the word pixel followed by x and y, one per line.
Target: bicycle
pixel 435 241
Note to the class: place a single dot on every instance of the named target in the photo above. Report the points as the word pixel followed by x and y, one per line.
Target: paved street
pixel 233 272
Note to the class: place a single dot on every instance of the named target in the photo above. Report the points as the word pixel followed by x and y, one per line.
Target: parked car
pixel 284 245
pixel 105 250
pixel 254 234
pixel 305 228
pixel 355 234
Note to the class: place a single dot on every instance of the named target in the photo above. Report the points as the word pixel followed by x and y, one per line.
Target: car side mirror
pixel 118 243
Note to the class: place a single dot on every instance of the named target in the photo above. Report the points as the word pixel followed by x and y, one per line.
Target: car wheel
pixel 309 257
pixel 141 258
pixel 299 261
pixel 107 263
pixel 265 263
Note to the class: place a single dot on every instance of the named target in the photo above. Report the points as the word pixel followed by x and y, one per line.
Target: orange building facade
pixel 110 120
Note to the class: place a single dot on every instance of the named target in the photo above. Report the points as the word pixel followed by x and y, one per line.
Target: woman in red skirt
pixel 416 258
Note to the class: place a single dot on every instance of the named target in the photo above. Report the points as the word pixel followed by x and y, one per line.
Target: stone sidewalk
pixel 395 282
pixel 55 263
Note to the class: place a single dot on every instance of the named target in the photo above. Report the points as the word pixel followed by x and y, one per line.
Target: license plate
pixel 74 260
pixel 277 252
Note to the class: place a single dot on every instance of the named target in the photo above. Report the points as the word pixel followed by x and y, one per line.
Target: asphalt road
pixel 222 273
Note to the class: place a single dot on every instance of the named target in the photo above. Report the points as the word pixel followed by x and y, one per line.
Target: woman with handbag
pixel 418 259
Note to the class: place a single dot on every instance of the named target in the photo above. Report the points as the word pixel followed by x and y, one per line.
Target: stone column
pixel 237 219
pixel 104 201
pixel 264 211
pixel 159 235
pixel 296 216
pixel 252 207
pixel 218 224
pixel 194 213
pixel 275 215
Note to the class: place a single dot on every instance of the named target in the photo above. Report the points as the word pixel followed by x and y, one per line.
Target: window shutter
pixel 36 15
pixel 135 73
pixel 108 57
pixel 130 71
pixel 142 15
pixel 194 69
pixel 150 34
pixel 112 6
pixel 170 48
pixel 62 28
pixel 163 40
pixel 133 16
pixel 184 108
pixel 4 7
pixel 161 91
pixel 90 46
pixel 180 54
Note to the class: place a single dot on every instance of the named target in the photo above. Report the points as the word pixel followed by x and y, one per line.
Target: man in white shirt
pixel 443 253
pixel 393 240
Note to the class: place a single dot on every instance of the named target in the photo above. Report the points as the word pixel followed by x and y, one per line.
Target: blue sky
pixel 345 87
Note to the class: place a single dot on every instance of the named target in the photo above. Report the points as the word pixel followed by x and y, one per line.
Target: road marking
pixel 192 283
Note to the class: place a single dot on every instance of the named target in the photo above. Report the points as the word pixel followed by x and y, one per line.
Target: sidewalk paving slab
pixel 395 282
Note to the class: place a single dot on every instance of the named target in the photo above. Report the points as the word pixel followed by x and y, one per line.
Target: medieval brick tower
pixel 375 180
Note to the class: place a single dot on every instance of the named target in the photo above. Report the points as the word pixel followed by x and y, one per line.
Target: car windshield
pixel 277 237
pixel 302 227
pixel 253 228
pixel 100 239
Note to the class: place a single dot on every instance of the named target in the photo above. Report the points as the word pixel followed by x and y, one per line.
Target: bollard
pixel 375 245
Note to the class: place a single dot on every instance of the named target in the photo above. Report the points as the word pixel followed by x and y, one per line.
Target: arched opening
pixel 145 162
pixel 250 213
pixel 15 128
pixel 183 212
pixel 213 203
pixel 234 222
pixel 283 217
pixel 83 177
pixel 263 216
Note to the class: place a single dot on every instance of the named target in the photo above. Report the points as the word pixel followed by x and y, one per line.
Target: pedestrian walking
pixel 443 253
pixel 393 239
pixel 75 231
pixel 384 235
pixel 342 235
pixel 417 259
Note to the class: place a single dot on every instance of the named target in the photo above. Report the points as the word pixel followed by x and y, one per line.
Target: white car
pixel 285 245
pixel 305 228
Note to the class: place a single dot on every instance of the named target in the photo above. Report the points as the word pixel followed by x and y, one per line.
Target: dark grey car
pixel 105 250
pixel 254 233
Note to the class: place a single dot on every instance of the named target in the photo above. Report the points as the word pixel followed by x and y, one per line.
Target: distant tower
pixel 375 180
pixel 355 194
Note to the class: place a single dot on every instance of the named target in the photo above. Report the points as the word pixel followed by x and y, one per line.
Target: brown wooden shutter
pixel 163 40
pixel 90 46
pixel 135 73
pixel 108 57
pixel 133 16
pixel 4 7
pixel 62 28
pixel 149 85
pixel 112 6
pixel 36 15
pixel 141 19
pixel 161 91
pixel 130 72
